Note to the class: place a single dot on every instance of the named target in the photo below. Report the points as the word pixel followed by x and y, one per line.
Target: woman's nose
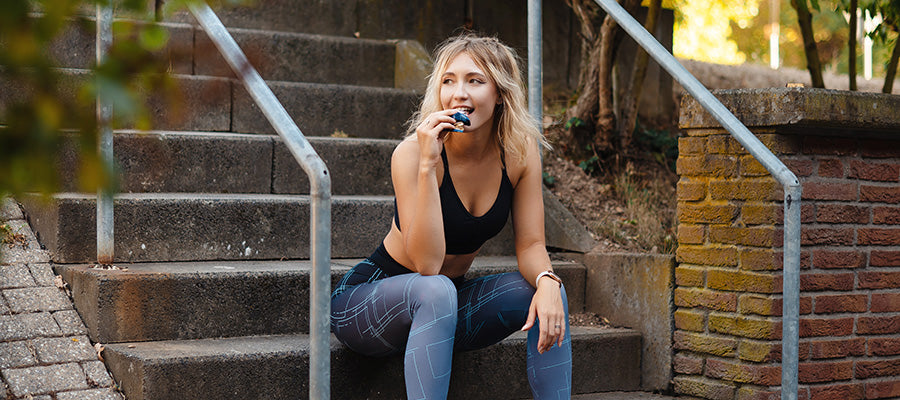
pixel 460 91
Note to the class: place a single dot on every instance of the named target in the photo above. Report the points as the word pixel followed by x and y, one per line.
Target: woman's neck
pixel 471 145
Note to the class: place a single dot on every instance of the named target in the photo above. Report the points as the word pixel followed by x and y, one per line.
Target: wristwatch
pixel 548 273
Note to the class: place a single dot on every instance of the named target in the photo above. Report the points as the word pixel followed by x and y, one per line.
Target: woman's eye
pixel 447 81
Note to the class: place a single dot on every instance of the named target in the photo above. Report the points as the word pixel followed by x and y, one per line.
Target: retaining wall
pixel 845 148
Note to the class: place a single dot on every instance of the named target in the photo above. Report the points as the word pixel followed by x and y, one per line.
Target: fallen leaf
pixel 99 347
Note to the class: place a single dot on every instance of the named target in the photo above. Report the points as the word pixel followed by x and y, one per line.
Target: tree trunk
pixel 581 117
pixel 804 18
pixel 891 70
pixel 610 37
pixel 632 94
pixel 852 45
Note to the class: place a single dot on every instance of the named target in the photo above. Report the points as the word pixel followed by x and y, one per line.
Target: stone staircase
pixel 211 299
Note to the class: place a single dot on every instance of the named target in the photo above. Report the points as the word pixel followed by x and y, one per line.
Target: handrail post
pixel 105 238
pixel 792 189
pixel 535 73
pixel 320 195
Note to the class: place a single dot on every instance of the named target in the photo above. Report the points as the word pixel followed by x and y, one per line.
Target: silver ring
pixel 558 325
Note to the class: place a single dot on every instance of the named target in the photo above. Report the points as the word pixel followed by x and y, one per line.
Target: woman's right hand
pixel 431 134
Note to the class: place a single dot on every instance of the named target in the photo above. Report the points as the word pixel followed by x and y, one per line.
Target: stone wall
pixel 845 148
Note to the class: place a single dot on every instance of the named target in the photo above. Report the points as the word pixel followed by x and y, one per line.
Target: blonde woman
pixel 454 191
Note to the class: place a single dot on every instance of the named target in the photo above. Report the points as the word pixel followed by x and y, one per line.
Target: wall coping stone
pixel 837 112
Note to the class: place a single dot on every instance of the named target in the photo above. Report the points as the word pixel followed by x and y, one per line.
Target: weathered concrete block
pixel 16 355
pixel 9 209
pixel 207 105
pixel 91 394
pixel 76 46
pixel 37 299
pixel 45 379
pixel 335 17
pixel 322 110
pixel 298 57
pixel 561 229
pixel 195 162
pixel 185 227
pixel 635 290
pixel 275 367
pixel 64 349
pixel 15 276
pixel 356 166
pixel 791 108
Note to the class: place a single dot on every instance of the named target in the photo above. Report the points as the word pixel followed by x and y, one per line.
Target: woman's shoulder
pixel 517 163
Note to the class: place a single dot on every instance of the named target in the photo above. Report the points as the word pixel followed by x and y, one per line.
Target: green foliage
pixel 574 122
pixel 661 144
pixel 590 165
pixel 549 180
pixel 45 109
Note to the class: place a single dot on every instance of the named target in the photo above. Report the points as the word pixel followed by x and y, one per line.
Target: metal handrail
pixel 792 188
pixel 105 231
pixel 320 190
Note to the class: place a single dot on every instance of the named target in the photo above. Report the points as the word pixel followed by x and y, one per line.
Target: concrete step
pixel 196 227
pixel 193 300
pixel 211 162
pixel 278 56
pixel 276 367
pixel 214 104
pixel 301 57
pixel 378 19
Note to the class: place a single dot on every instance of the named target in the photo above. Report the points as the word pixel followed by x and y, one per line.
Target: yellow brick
pixel 689 275
pixel 742 281
pixel 758 189
pixel 748 236
pixel 760 213
pixel 691 234
pixel 707 255
pixel 702 298
pixel 724 144
pixel 696 342
pixel 759 305
pixel 760 259
pixel 751 167
pixel 744 326
pixel 690 320
pixel 691 189
pixel 691 145
pixel 707 165
pixel 706 213
pixel 759 351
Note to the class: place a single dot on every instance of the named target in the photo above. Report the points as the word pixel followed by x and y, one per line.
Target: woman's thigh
pixel 375 318
pixel 490 309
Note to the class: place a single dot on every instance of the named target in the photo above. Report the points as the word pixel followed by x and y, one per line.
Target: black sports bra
pixel 465 233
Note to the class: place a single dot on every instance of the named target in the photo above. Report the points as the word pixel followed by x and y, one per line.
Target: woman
pixel 411 295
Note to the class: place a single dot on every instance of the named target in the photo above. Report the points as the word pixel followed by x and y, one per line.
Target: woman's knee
pixel 433 290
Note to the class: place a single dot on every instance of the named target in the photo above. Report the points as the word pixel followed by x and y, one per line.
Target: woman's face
pixel 465 87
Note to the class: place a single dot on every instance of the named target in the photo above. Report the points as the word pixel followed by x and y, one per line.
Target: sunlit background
pixel 737 32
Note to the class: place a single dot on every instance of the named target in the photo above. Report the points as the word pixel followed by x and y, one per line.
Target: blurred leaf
pixel 154 37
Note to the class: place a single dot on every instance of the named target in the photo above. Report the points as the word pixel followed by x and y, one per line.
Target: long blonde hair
pixel 516 129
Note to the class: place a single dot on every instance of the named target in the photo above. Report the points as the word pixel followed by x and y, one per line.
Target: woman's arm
pixel 531 253
pixel 414 167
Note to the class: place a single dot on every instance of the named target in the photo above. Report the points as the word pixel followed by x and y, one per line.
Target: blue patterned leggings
pixel 430 317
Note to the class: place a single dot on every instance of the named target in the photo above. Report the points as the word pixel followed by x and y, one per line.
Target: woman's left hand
pixel 547 307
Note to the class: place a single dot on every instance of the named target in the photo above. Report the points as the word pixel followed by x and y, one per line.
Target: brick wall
pixel 727 337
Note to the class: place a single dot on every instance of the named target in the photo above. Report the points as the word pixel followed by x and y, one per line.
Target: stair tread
pixel 163 270
pixel 265 344
pixel 179 196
